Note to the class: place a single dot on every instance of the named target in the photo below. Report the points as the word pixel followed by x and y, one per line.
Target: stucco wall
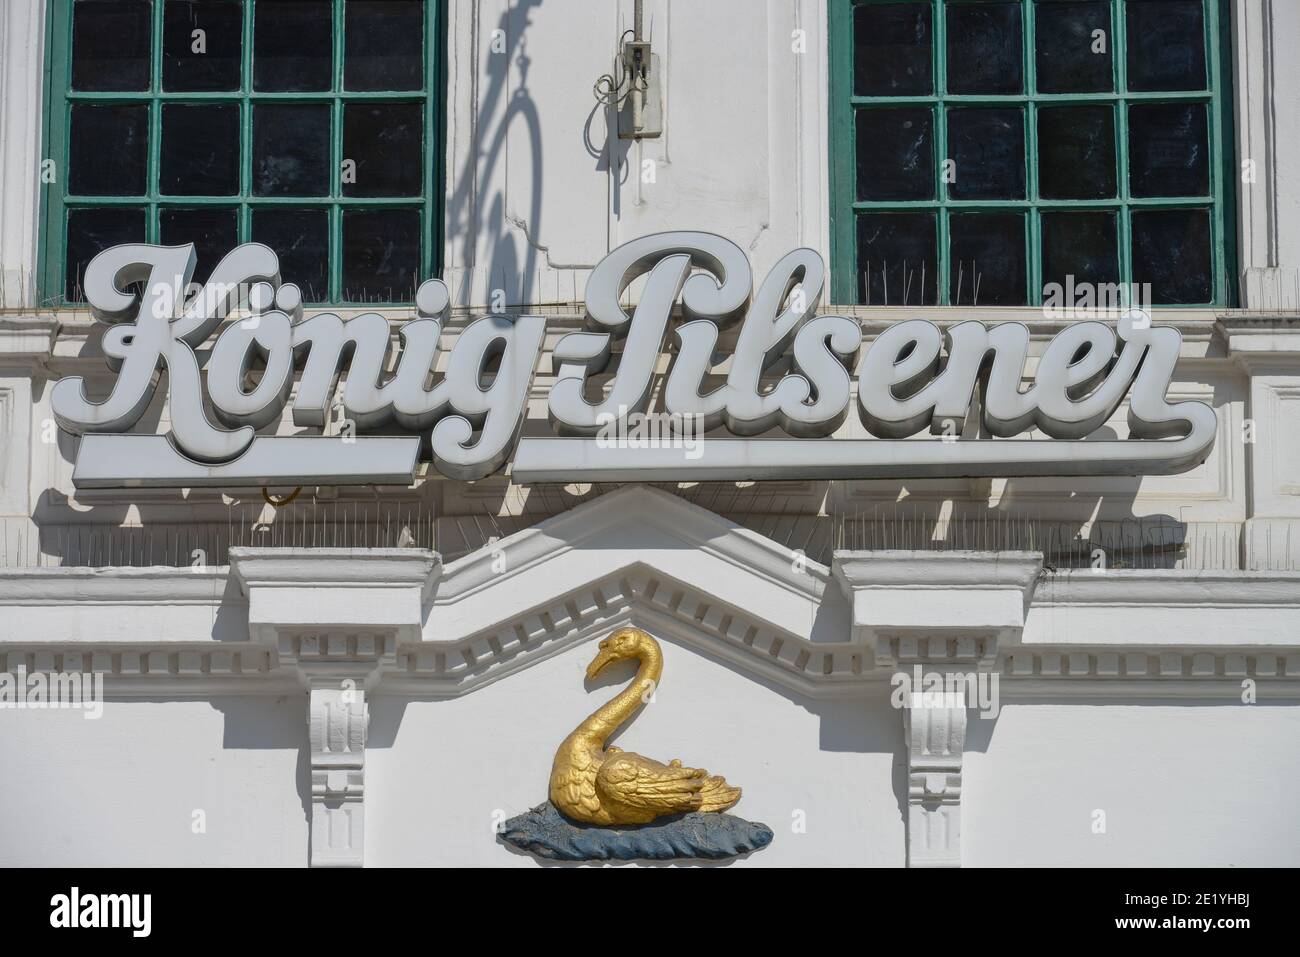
pixel 122 790
pixel 539 186
pixel 1180 785
pixel 1205 784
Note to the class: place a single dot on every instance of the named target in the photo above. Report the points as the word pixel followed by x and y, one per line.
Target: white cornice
pixel 1169 587
pixel 111 586
pixel 642 556
pixel 888 568
pixel 954 609
pixel 27 341
pixel 296 593
pixel 1263 344
pixel 334 567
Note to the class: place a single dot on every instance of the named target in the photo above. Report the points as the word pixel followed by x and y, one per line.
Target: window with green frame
pixel 312 126
pixel 983 150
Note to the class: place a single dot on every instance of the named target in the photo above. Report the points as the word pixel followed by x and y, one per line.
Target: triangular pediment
pixel 640 556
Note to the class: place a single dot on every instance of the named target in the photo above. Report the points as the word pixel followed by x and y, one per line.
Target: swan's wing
pixel 639 782
pixel 573 787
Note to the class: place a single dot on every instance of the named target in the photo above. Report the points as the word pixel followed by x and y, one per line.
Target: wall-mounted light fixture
pixel 637 89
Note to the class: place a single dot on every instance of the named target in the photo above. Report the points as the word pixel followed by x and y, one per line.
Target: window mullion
pixel 58 119
pixel 429 155
pixel 154 159
pixel 1219 152
pixel 1119 46
pixel 939 17
pixel 336 159
pixel 1033 219
pixel 245 225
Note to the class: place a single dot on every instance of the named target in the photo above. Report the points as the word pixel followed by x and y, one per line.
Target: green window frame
pixel 61 97
pixel 848 286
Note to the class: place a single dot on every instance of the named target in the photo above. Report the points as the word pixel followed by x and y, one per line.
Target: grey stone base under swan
pixel 547 833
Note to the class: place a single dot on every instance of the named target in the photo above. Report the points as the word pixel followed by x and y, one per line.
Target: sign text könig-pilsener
pixel 790 372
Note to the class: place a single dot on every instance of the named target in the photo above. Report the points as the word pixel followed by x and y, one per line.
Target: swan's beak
pixel 603 658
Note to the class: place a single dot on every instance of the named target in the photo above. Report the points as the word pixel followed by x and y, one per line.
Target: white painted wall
pixel 538 185
pixel 1180 785
pixel 1204 784
pixel 121 790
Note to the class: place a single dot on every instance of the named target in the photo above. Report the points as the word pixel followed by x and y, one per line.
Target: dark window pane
pixel 892 50
pixel 1080 248
pixel 895 154
pixel 384 140
pixel 985 52
pixel 896 259
pixel 108 150
pixel 300 237
pixel 1076 152
pixel 1169 151
pixel 1069 59
pixel 987 252
pixel 214 232
pixel 987 147
pixel 200 150
pixel 381 254
pixel 291 149
pixel 209 61
pixel 1166 44
pixel 110 45
pixel 1171 251
pixel 385 45
pixel 91 231
pixel 292 45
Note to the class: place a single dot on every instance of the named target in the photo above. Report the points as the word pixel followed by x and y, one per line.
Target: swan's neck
pixel 606 719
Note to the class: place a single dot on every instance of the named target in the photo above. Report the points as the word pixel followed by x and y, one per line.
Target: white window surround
pixel 1266 132
pixel 22 79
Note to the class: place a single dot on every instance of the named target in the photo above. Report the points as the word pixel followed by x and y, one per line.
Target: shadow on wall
pixel 257 723
pixel 479 221
pixel 1072 527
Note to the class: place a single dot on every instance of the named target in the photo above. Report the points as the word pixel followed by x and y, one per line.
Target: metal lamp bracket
pixel 641 114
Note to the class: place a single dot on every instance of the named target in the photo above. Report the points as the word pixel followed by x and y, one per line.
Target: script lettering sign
pixel 766 411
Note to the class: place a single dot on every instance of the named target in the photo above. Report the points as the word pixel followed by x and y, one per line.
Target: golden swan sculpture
pixel 596 784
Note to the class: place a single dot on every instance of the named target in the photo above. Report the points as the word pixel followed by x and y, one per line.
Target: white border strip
pixel 151 461
pixel 582 459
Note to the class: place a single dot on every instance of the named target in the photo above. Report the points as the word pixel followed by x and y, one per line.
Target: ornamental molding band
pixel 338 626
pixel 915 376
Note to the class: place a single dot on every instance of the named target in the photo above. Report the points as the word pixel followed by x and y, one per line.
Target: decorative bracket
pixel 928 616
pixel 336 617
pixel 337 722
pixel 935 730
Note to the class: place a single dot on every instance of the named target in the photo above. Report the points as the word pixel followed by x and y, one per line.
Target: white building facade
pixel 334 674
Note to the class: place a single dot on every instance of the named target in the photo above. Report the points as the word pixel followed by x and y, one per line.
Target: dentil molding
pixel 337 626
